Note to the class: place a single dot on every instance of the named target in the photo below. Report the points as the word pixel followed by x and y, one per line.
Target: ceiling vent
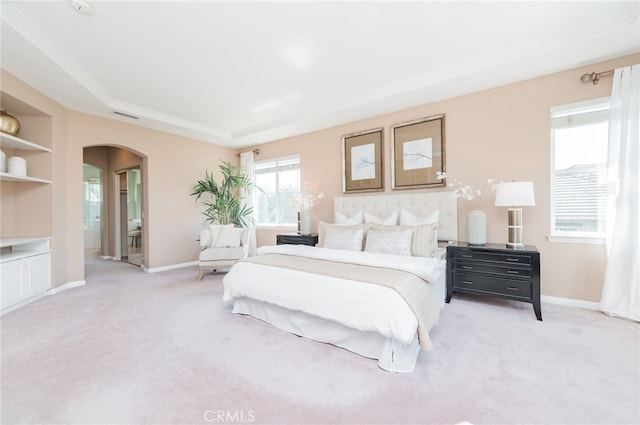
pixel 125 115
pixel 81 6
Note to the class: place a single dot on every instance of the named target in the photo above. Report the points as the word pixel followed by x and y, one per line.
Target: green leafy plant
pixel 225 205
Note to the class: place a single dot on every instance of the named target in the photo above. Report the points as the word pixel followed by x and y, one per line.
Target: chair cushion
pixel 217 254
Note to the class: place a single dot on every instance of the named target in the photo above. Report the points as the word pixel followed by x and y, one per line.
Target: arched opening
pixel 122 224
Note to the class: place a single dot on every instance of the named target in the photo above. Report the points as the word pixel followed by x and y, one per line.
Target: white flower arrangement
pixel 305 199
pixel 465 191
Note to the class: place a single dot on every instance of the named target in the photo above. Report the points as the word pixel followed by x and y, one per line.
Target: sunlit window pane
pixel 580 141
pixel 279 180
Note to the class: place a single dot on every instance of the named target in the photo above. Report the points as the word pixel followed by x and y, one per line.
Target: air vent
pixel 125 115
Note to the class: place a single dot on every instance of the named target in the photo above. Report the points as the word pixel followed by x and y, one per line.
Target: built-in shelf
pixel 15 178
pixel 13 142
pixel 18 243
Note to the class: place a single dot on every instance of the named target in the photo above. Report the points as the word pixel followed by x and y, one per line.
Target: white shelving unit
pixel 13 142
pixel 25 271
pixel 26 208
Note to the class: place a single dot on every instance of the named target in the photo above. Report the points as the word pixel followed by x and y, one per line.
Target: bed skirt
pixel 392 355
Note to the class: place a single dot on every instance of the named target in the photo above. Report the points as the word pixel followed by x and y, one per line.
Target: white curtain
pixel 246 162
pixel 621 291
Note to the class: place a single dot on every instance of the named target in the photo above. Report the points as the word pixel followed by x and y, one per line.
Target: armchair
pixel 221 247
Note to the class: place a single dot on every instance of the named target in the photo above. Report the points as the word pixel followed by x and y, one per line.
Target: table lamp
pixel 515 195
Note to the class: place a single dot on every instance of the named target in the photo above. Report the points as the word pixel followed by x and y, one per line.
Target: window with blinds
pixel 279 180
pixel 579 142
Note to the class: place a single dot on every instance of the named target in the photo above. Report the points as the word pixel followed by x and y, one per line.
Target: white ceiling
pixel 241 73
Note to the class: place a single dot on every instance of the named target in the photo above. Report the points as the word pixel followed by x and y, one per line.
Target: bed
pixel 374 285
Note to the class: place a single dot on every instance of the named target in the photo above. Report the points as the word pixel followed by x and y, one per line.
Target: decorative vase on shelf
pixel 8 123
pixel 305 222
pixel 476 228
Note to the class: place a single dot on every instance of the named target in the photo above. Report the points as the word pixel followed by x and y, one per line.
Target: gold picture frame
pixel 362 161
pixel 417 153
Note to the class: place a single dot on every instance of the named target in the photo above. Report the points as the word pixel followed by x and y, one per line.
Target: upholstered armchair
pixel 222 246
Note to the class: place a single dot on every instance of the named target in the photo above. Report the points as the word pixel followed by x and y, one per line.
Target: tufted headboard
pixel 419 204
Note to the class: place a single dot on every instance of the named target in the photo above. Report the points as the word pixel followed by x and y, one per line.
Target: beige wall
pixel 172 163
pixel 499 133
pixel 170 167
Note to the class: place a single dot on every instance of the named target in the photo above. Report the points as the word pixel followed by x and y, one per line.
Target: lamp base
pixel 515 228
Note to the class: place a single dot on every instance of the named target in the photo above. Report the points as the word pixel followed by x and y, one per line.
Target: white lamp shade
pixel 515 194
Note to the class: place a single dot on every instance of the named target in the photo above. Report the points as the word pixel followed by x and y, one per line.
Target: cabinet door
pixel 39 273
pixel 13 275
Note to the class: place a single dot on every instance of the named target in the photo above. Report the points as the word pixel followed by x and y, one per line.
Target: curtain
pixel 621 290
pixel 246 163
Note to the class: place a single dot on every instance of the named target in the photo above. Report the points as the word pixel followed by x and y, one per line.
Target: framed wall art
pixel 417 153
pixel 362 164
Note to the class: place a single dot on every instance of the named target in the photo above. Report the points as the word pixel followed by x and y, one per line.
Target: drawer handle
pixel 512 288
pixel 467 282
pixel 467 267
pixel 513 259
pixel 513 271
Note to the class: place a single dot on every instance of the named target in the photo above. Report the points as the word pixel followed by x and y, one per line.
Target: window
pixel 579 142
pixel 279 180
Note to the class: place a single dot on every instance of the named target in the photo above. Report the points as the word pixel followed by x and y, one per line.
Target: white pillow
pixel 214 230
pixel 229 237
pixel 424 241
pixel 344 237
pixel 390 220
pixel 383 242
pixel 354 219
pixel 407 218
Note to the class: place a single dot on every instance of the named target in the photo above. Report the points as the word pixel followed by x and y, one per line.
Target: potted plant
pixel 225 205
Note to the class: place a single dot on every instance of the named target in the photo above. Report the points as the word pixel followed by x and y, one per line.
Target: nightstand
pixel 297 239
pixel 496 271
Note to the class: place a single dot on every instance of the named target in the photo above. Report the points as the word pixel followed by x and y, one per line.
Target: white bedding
pixel 354 304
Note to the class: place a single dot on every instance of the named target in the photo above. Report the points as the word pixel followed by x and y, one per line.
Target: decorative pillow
pixel 397 242
pixel 407 218
pixel 424 241
pixel 392 219
pixel 344 237
pixel 322 230
pixel 229 237
pixel 214 232
pixel 354 219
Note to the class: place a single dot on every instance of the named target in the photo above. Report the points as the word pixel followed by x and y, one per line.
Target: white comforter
pixel 358 305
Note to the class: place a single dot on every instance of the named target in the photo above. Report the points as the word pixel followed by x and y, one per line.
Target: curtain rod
pixel 255 151
pixel 595 76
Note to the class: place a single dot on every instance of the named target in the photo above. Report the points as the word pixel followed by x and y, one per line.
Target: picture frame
pixel 362 161
pixel 418 153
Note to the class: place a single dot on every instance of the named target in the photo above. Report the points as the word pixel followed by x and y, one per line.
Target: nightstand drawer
pixel 296 239
pixel 492 256
pixel 492 285
pixel 498 269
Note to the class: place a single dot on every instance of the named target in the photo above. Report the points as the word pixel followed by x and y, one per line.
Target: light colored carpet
pixel 135 348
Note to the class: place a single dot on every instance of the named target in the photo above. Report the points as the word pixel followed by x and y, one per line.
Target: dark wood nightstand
pixel 297 239
pixel 496 271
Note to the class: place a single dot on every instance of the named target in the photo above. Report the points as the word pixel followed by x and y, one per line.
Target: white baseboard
pixel 171 267
pixel 66 286
pixel 590 305
pixel 17 305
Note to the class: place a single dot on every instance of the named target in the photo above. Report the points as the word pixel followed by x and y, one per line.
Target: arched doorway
pixel 123 229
